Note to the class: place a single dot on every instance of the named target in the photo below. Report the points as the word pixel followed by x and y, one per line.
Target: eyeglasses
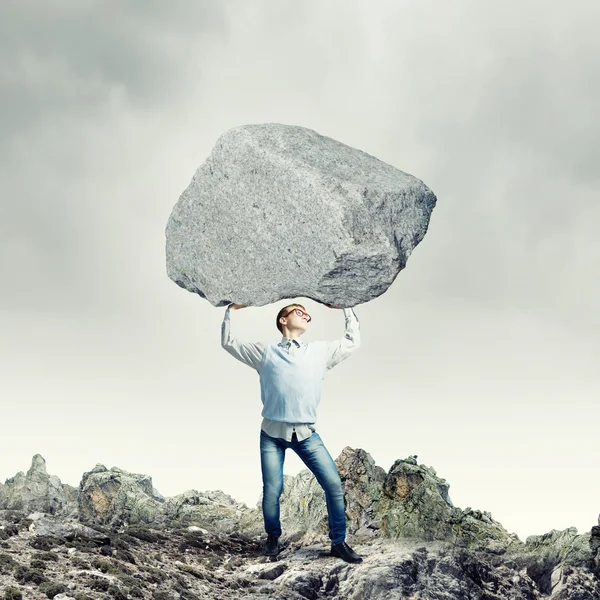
pixel 299 312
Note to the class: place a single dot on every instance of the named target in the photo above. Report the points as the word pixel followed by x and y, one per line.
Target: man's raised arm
pixel 250 353
pixel 341 349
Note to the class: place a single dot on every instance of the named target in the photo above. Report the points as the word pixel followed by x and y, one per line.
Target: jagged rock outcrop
pixel 550 559
pixel 213 509
pixel 416 504
pixel 362 481
pixel 36 490
pixel 278 211
pixel 115 496
pixel 410 501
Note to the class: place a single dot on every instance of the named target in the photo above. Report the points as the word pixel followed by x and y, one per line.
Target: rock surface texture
pixel 279 211
pixel 128 541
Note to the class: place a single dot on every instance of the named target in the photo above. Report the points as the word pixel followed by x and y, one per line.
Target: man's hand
pixel 236 306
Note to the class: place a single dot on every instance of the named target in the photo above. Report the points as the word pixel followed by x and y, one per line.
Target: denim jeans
pixel 315 456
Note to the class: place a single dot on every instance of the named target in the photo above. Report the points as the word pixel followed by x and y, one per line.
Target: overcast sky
pixel 482 357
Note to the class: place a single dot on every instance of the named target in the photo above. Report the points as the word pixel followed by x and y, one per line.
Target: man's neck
pixel 292 335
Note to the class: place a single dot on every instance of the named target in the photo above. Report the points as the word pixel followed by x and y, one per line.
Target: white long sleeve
pixel 250 353
pixel 341 349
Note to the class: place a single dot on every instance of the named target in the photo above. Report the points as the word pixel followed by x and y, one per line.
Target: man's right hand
pixel 236 306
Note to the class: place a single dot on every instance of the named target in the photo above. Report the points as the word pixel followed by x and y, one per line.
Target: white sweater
pixel 291 374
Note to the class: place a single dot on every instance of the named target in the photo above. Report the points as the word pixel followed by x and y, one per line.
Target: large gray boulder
pixel 279 211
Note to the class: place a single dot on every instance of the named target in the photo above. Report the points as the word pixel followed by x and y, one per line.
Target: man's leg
pixel 316 457
pixel 272 455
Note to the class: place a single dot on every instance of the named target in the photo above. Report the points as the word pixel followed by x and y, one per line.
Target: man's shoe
pixel 343 551
pixel 271 546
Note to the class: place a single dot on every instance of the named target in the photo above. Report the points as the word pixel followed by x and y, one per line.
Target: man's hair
pixel 285 310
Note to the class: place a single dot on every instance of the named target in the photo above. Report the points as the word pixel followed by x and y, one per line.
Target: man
pixel 291 374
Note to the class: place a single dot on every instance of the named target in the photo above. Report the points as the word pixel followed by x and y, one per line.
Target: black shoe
pixel 343 551
pixel 271 546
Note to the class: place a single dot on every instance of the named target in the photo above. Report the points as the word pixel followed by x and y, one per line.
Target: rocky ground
pixel 116 537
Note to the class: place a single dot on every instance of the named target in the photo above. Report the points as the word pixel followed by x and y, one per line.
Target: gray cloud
pixel 64 58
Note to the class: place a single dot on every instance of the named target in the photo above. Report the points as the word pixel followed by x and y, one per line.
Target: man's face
pixel 297 319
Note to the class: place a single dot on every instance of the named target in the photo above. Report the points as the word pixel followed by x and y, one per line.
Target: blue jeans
pixel 315 456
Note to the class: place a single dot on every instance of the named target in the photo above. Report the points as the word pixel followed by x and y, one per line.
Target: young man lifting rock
pixel 291 374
